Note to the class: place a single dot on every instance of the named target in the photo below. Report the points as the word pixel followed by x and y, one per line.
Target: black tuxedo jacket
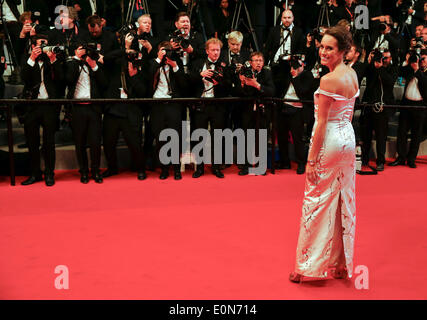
pixel 98 81
pixel 136 88
pixel 303 84
pixel 222 89
pixel 68 37
pixel 198 44
pixel 107 42
pixel 298 41
pixel 52 76
pixel 242 57
pixel 146 56
pixel 360 68
pixel 374 77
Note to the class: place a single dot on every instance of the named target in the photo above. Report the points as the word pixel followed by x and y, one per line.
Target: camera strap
pixel 123 80
pixel 285 38
pixel 167 78
pixel 378 107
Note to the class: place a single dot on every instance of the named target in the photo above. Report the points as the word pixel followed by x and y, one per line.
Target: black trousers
pixel 131 129
pixel 371 121
pixel 292 121
pixel 86 124
pixel 166 116
pixel 213 114
pixel 148 131
pixel 410 119
pixel 253 119
pixel 44 116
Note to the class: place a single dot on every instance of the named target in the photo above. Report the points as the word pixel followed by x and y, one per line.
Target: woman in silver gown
pixel 326 237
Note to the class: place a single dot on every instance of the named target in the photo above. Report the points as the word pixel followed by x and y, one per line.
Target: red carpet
pixel 202 239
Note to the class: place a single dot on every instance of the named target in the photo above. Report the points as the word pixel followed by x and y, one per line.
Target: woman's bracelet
pixel 311 162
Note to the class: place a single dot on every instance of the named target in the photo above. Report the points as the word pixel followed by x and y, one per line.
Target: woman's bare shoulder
pixel 329 82
pixel 339 82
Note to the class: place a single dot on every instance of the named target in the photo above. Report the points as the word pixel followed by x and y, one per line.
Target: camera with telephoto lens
pixel 91 50
pixel 178 37
pixel 377 55
pixel 288 56
pixel 54 49
pixel 246 70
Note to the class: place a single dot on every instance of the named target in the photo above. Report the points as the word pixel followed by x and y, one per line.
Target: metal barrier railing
pixel 8 104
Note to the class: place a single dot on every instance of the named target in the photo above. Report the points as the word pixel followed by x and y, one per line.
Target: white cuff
pixel 95 69
pixel 176 68
pixel 31 62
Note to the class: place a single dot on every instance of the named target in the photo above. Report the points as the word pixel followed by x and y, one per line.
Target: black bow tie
pixel 286 28
pixel 210 63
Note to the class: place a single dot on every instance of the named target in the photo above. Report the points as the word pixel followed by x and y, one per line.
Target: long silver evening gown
pixel 329 210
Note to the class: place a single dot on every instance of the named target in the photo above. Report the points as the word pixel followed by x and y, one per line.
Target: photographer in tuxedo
pixel 86 80
pixel 381 75
pixel 384 38
pixel 146 44
pixel 41 74
pixel 415 94
pixel 209 81
pixel 290 115
pixel 166 79
pixel 255 81
pixel 187 45
pixel 30 28
pixel 283 40
pixel 104 40
pixel 127 81
pixel 143 41
pixel 234 57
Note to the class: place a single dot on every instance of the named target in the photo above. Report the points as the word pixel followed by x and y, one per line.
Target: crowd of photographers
pixel 86 61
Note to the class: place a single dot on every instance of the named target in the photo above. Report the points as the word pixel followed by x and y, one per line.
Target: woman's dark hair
pixel 343 36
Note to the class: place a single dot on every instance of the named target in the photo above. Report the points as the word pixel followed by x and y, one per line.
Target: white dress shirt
pixel 286 46
pixel 162 90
